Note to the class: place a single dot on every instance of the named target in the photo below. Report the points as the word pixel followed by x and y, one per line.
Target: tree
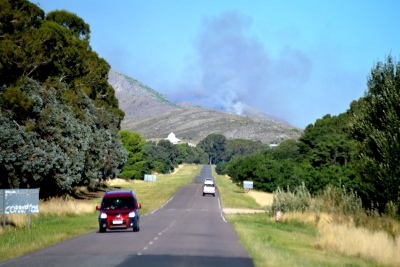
pixel 242 147
pixel 191 155
pixel 160 157
pixel 172 152
pixel 375 124
pixel 326 151
pixel 214 146
pixel 134 145
pixel 59 117
pixel 288 149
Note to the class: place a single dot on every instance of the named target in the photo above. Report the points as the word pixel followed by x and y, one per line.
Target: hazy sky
pixel 298 60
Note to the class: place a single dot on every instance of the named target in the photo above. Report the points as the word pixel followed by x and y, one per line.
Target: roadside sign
pixel 150 178
pixel 19 201
pixel 248 184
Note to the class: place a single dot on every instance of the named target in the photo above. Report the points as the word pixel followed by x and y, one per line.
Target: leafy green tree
pixel 375 125
pixel 54 150
pixel 242 147
pixel 160 157
pixel 59 116
pixel 134 145
pixel 191 155
pixel 51 49
pixel 288 149
pixel 214 145
pixel 329 148
pixel 172 152
pixel 266 173
pixel 183 152
pixel 19 20
pixel 220 168
pixel 328 141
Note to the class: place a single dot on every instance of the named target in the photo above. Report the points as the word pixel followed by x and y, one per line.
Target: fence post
pixel 4 209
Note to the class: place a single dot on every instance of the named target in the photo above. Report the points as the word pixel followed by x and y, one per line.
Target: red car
pixel 119 210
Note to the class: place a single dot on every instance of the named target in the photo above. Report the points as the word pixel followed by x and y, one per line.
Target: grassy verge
pixel 60 219
pixel 45 230
pixel 287 243
pixel 232 196
pixel 292 244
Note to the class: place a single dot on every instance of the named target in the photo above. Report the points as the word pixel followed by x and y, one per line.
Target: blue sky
pixel 298 60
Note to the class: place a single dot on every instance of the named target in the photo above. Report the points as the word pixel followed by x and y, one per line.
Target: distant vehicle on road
pixel 208 180
pixel 208 187
pixel 119 210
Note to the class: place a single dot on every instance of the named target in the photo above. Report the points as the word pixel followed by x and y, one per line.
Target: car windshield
pixel 118 203
pixel 210 185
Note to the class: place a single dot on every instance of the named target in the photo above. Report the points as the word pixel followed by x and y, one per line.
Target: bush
pixel 332 200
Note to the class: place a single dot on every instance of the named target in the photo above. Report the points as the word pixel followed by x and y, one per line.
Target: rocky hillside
pixel 154 117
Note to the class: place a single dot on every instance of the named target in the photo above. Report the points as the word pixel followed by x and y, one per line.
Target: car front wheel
pixel 136 227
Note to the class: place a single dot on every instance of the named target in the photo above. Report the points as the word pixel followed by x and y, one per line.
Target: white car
pixel 208 188
pixel 208 180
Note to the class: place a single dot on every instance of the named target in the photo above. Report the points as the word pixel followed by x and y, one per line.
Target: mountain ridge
pixel 152 115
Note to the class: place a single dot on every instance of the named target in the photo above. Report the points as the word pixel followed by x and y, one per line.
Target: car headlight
pixel 132 214
pixel 103 216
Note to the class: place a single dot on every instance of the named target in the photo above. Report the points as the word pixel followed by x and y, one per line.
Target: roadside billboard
pixel 19 201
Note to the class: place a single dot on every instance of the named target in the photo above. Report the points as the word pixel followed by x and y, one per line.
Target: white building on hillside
pixel 171 137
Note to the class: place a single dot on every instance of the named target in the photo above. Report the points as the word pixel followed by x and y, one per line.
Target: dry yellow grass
pixel 349 240
pixel 60 206
pixel 119 182
pixel 262 198
pixel 18 220
pixel 306 217
pixel 57 206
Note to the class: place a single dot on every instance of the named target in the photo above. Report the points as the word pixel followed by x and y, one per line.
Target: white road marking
pixel 162 205
pixel 223 218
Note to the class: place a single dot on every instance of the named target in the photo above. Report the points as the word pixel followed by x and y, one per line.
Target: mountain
pixel 154 117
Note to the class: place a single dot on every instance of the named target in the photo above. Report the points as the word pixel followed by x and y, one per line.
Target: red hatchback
pixel 119 210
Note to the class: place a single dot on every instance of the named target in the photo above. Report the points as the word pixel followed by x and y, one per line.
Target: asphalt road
pixel 189 230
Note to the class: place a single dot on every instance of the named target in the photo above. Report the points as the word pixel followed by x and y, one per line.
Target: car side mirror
pixel 139 206
pixel 97 208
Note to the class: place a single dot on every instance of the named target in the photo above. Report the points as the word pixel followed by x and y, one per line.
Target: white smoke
pixel 233 69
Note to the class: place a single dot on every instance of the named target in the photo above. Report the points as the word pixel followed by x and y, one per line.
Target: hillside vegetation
pixel 195 123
